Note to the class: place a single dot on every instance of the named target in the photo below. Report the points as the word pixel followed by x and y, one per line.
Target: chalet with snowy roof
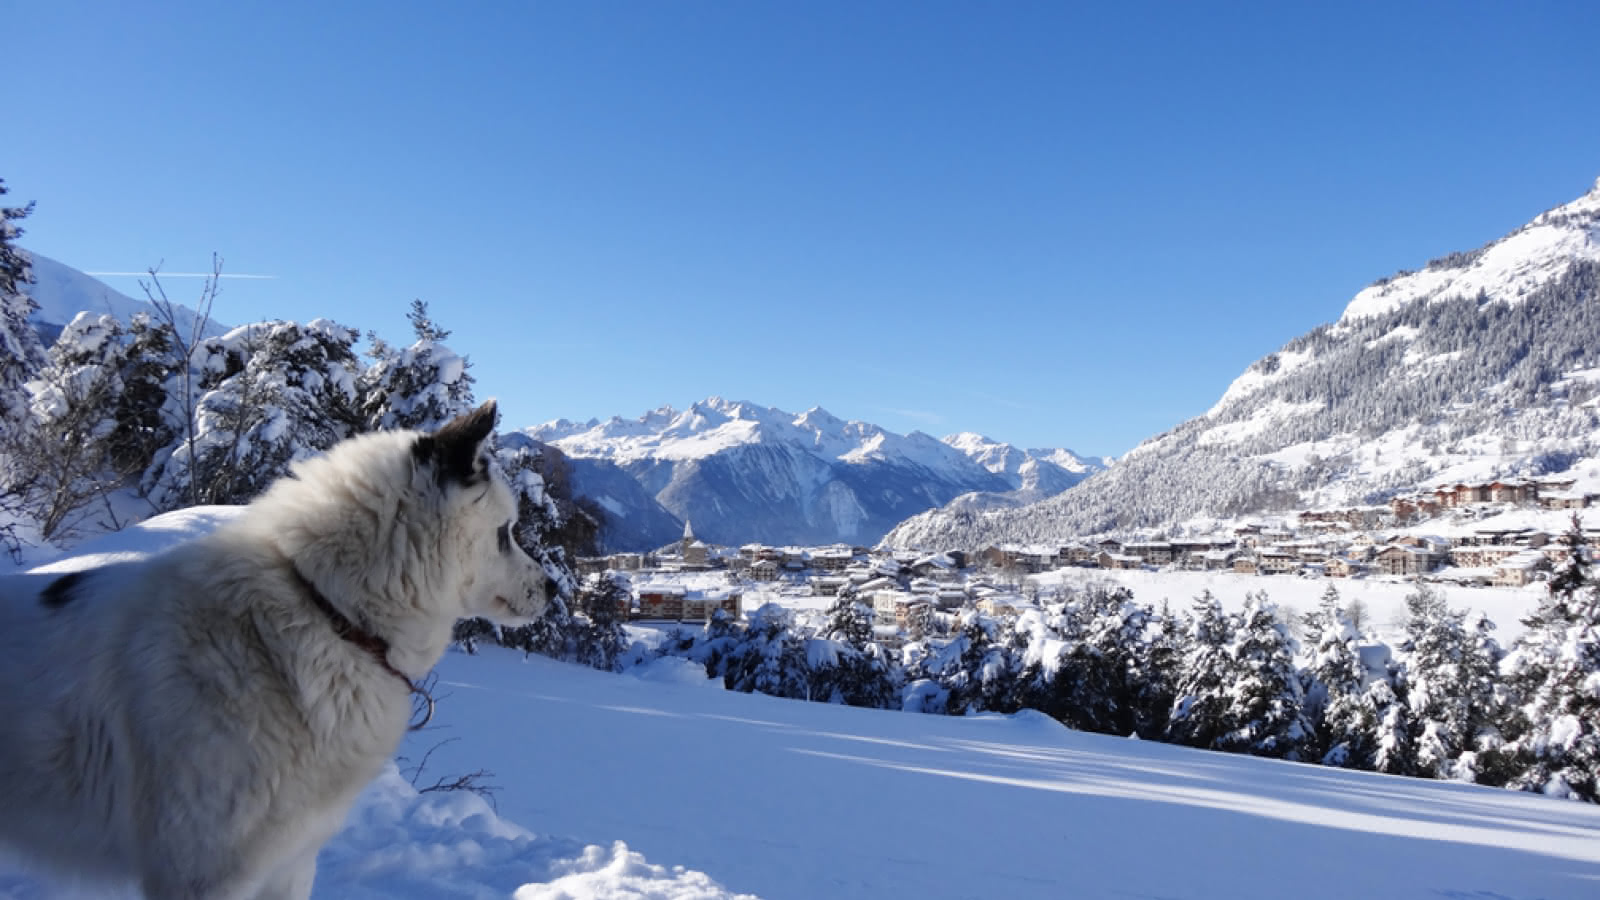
pixel 1482 556
pixel 1217 560
pixel 828 585
pixel 1075 554
pixel 1512 490
pixel 895 606
pixel 764 570
pixel 1008 604
pixel 675 601
pixel 939 566
pixel 832 559
pixel 1342 567
pixel 1520 569
pixel 1406 559
pixel 1155 553
pixel 1119 561
pixel 1246 564
pixel 1278 561
pixel 1568 500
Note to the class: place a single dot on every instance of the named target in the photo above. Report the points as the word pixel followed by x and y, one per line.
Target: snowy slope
pixel 741 472
pixel 1481 365
pixel 713 792
pixel 1507 269
pixel 62 292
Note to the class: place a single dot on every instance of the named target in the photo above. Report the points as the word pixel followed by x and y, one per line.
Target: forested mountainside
pixel 1482 364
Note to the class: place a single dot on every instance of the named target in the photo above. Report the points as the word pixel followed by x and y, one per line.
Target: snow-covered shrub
pixel 271 393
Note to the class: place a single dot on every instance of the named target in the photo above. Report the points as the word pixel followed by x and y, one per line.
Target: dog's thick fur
pixel 195 723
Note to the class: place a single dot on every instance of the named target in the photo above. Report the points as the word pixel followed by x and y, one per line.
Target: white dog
pixel 200 721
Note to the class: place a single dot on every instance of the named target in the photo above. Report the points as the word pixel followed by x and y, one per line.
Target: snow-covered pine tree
pixel 74 403
pixel 978 667
pixel 147 416
pixel 1266 715
pixel 1155 681
pixel 21 357
pixel 849 620
pixel 603 599
pixel 1395 753
pixel 421 386
pixel 539 518
pixel 771 658
pixel 1201 704
pixel 1095 685
pixel 1312 623
pixel 1337 703
pixel 1554 671
pixel 1451 685
pixel 846 665
pixel 21 354
pixel 273 392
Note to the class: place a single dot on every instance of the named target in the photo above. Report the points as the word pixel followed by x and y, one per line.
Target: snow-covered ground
pixel 1382 596
pixel 711 793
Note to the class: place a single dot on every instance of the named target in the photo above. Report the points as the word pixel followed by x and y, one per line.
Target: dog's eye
pixel 503 534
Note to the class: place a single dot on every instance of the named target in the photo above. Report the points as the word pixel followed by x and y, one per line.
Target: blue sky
pixel 1056 224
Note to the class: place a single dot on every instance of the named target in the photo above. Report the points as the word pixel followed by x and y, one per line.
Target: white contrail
pixel 179 275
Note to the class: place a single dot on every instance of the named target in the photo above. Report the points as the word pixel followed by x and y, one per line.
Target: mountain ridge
pixel 742 472
pixel 1481 364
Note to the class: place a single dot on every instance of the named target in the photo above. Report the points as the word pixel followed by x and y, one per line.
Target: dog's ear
pixel 457 449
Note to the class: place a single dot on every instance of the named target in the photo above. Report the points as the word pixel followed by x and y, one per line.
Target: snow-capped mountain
pixel 1034 475
pixel 62 292
pixel 1482 364
pixel 741 472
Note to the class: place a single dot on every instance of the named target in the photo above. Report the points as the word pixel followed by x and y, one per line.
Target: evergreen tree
pixel 422 325
pixel 1336 701
pixel 771 658
pixel 273 393
pixel 1395 754
pixel 603 599
pixel 1266 715
pixel 147 418
pixel 75 402
pixel 1199 712
pixel 21 354
pixel 1156 684
pixel 1554 671
pixel 422 386
pixel 1096 683
pixel 849 620
pixel 1451 681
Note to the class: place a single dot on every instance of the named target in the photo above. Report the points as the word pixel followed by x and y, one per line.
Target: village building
pixel 1155 553
pixel 694 552
pixel 1118 561
pixel 1277 561
pixel 1520 569
pixel 1075 554
pixel 1406 559
pixel 895 606
pixel 832 559
pixel 1342 567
